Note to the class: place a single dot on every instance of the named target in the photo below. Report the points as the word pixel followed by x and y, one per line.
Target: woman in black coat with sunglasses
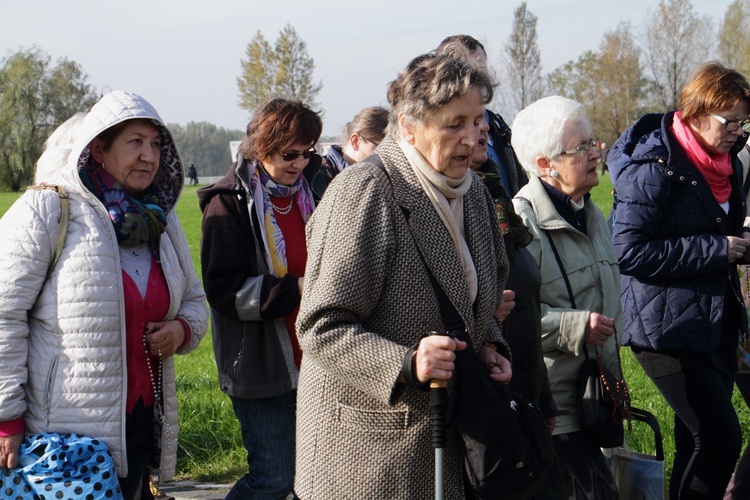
pixel 253 253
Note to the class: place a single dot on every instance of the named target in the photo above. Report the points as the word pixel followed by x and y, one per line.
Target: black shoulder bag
pixel 505 441
pixel 603 398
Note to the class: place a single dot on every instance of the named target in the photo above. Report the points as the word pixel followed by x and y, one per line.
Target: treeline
pixel 205 145
pixel 634 70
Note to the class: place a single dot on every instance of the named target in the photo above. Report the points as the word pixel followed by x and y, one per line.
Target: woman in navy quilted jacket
pixel 677 231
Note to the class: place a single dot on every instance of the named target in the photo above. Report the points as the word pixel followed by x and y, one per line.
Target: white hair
pixel 538 129
pixel 57 149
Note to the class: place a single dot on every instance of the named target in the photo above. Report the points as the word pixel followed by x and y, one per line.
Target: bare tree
pixel 610 83
pixel 578 80
pixel 522 68
pixel 677 41
pixel 734 44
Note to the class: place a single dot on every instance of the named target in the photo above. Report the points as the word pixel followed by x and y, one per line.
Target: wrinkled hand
pixel 599 329
pixel 497 365
pixel 738 247
pixel 164 337
pixel 9 450
pixel 435 356
pixel 506 305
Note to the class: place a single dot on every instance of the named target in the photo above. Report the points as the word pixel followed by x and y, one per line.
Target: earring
pixel 554 173
pixel 103 167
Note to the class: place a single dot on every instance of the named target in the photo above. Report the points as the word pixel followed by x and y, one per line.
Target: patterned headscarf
pixel 137 219
pixel 263 188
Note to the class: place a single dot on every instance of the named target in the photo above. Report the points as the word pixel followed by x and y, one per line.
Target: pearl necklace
pixel 285 210
pixel 156 384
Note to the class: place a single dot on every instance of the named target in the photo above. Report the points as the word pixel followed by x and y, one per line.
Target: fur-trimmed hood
pixel 116 107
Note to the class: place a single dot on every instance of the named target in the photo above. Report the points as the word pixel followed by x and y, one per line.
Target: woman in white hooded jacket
pixel 88 349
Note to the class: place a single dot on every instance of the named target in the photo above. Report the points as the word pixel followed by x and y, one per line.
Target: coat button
pixel 669 172
pixel 718 220
pixel 682 177
pixel 694 183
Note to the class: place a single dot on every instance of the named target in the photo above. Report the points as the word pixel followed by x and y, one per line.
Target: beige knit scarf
pixel 447 196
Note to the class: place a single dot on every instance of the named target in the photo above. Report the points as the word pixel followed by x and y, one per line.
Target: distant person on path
pixel 193 175
pixel 90 348
pixel 603 152
pixel 679 236
pixel 253 252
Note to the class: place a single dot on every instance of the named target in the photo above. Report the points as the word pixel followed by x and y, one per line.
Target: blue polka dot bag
pixel 61 466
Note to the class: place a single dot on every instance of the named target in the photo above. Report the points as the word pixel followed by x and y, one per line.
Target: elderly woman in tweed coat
pixel 363 427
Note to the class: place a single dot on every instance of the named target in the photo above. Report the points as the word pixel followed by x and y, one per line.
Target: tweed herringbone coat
pixel 367 300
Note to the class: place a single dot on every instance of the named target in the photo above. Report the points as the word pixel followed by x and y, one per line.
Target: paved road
pixel 184 490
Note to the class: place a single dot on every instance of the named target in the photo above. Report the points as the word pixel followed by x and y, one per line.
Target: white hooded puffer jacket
pixel 62 341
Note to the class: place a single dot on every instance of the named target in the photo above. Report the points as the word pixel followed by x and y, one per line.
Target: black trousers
pixel 139 444
pixel 707 432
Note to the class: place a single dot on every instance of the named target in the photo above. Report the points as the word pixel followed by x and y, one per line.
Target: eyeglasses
pixel 367 140
pixel 731 125
pixel 295 155
pixel 581 150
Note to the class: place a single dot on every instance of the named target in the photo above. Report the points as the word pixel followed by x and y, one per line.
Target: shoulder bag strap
pixel 448 312
pixel 63 221
pixel 567 283
pixel 562 269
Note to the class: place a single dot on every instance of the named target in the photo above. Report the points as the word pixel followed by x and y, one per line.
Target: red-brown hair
pixel 277 124
pixel 713 87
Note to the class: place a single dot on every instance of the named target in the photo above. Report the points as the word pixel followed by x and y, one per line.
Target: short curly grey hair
pixel 432 80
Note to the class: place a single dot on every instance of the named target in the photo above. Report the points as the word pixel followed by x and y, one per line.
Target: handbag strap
pixel 619 394
pixel 567 285
pixel 451 318
pixel 573 303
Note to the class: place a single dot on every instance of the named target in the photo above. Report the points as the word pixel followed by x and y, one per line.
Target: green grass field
pixel 210 443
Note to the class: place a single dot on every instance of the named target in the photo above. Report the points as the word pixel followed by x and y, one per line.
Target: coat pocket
pixel 372 420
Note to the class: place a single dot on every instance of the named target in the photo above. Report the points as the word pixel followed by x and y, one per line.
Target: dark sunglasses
pixel 293 156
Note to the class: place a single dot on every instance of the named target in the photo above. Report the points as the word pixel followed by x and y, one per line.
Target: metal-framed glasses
pixel 293 156
pixel 581 150
pixel 731 125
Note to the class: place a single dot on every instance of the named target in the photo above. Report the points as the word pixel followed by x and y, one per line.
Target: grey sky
pixel 184 56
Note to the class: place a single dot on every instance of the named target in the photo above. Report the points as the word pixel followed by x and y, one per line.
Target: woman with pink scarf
pixel 677 230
